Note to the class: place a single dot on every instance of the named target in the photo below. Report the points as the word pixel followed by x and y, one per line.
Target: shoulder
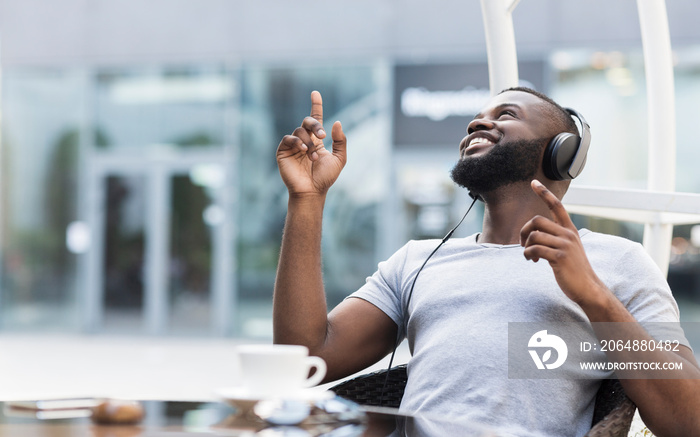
pixel 611 244
pixel 408 254
pixel 415 252
pixel 624 266
pixel 618 253
pixel 592 238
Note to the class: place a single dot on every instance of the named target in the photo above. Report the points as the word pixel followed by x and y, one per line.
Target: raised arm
pixel 356 333
pixel 668 406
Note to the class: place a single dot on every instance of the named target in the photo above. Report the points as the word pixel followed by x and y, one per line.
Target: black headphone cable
pixel 410 294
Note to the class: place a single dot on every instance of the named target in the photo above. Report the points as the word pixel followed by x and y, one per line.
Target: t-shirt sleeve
pixel 384 289
pixel 647 295
pixel 642 288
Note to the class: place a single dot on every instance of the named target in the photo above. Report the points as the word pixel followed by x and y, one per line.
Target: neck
pixel 506 212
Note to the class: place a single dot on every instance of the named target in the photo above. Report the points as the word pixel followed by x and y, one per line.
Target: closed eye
pixel 506 112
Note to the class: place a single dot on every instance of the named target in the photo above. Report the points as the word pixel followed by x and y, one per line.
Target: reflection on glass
pixel 138 107
pixel 418 426
pixel 190 257
pixel 40 142
pixel 124 253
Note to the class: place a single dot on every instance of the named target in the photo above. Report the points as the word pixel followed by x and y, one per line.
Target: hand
pixel 306 166
pixel 558 242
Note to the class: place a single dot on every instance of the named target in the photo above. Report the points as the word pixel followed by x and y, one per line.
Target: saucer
pixel 243 399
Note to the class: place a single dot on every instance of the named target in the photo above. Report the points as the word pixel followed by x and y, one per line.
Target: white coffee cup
pixel 278 370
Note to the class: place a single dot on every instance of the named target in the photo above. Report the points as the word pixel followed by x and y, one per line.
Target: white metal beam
pixel 500 44
pixel 621 198
pixel 638 206
pixel 661 111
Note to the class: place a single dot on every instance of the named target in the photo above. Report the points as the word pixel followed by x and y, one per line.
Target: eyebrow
pixel 499 107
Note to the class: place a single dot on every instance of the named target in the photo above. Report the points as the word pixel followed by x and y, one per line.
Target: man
pixel 457 319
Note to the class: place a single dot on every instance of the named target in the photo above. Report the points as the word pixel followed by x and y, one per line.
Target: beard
pixel 504 164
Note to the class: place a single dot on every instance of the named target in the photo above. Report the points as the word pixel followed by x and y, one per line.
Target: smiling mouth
pixel 477 143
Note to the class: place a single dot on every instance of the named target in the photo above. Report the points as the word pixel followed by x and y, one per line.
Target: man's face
pixel 504 143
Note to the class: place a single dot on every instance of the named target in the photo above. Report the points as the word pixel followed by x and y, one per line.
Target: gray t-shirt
pixel 457 327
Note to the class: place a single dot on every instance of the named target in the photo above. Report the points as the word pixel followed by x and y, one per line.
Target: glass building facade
pixel 143 200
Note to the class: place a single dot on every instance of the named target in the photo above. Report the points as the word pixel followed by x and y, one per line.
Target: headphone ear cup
pixel 559 155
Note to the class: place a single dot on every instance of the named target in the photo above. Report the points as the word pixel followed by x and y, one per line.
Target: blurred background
pixel 139 193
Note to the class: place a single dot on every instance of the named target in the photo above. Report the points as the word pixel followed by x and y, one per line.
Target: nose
pixel 479 124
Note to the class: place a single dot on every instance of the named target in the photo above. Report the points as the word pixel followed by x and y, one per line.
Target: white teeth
pixel 480 140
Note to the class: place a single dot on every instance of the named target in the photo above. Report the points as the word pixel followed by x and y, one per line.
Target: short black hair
pixel 556 111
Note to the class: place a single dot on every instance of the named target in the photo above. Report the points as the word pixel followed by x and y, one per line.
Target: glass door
pixel 161 246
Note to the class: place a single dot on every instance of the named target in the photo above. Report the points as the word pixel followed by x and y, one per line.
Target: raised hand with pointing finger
pixel 306 166
pixel 356 333
pixel 557 241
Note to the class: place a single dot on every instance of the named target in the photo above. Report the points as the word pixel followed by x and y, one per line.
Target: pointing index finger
pixel 553 203
pixel 317 106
